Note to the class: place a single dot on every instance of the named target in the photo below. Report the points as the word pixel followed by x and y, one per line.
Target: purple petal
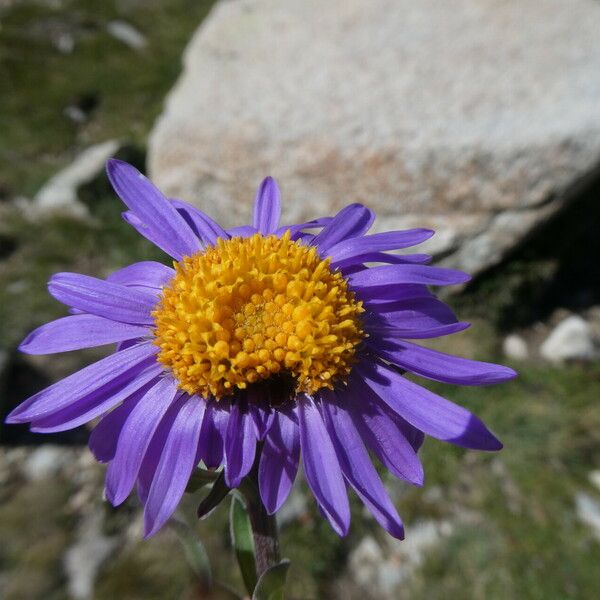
pixel 78 331
pixel 381 257
pixel 262 417
pixel 321 467
pixel 358 468
pixel 134 221
pixel 352 221
pixel 135 438
pixel 390 240
pixel 102 298
pixel 388 333
pixel 267 207
pixel 155 448
pixel 392 441
pixel 211 439
pixel 439 366
pixel 177 461
pixel 279 462
pixel 413 313
pixel 389 275
pixel 206 228
pixel 104 437
pixel 80 384
pixel 261 398
pixel 98 402
pixel 295 230
pixel 147 273
pixel 305 238
pixel 427 411
pixel 165 226
pixel 240 445
pixel 243 231
pixel 125 345
pixel 377 298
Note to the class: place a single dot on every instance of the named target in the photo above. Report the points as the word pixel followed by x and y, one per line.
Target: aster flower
pixel 262 344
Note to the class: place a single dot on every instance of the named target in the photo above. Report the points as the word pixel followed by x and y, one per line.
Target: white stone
pixel 85 557
pixel 515 347
pixel 295 506
pixel 365 560
pixel 127 33
pixel 65 43
pixel 571 339
pixel 594 478
pixel 60 192
pixel 588 511
pixel 44 462
pixel 479 116
pixel 385 569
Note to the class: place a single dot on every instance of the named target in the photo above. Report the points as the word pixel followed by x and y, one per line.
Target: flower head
pixel 261 333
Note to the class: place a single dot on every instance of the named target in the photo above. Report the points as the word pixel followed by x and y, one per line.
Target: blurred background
pixel 479 118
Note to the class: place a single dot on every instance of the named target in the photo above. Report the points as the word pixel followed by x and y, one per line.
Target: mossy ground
pixel 515 534
pixel 35 529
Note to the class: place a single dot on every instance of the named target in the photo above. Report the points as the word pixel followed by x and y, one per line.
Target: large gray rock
pixel 476 117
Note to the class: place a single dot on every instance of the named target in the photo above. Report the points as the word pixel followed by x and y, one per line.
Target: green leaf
pixel 200 478
pixel 194 552
pixel 217 493
pixel 243 542
pixel 271 584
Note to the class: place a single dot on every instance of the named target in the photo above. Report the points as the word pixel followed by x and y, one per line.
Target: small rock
pixel 83 560
pixel 75 114
pixel 383 569
pixel 365 559
pixel 65 43
pixel 570 340
pixel 60 192
pixel 433 495
pixel 293 508
pixel 592 316
pixel 594 478
pixel 588 511
pixel 126 33
pixel 515 347
pixel 420 538
pixel 43 462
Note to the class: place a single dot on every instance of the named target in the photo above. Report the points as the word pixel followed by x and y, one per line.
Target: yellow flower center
pixel 248 309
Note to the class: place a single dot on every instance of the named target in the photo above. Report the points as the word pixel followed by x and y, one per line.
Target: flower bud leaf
pixel 243 542
pixel 271 584
pixel 216 495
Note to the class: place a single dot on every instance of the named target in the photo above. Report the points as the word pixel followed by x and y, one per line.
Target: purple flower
pixel 261 336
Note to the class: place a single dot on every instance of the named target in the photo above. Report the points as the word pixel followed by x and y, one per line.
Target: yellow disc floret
pixel 248 309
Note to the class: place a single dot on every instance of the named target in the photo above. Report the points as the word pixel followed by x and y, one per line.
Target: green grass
pixel 122 88
pixel 526 541
pixel 36 528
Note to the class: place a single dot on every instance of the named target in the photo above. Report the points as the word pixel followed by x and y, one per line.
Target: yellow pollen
pixel 248 309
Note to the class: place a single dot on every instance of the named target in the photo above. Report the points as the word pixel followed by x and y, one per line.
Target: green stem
pixel 266 540
pixel 264 526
